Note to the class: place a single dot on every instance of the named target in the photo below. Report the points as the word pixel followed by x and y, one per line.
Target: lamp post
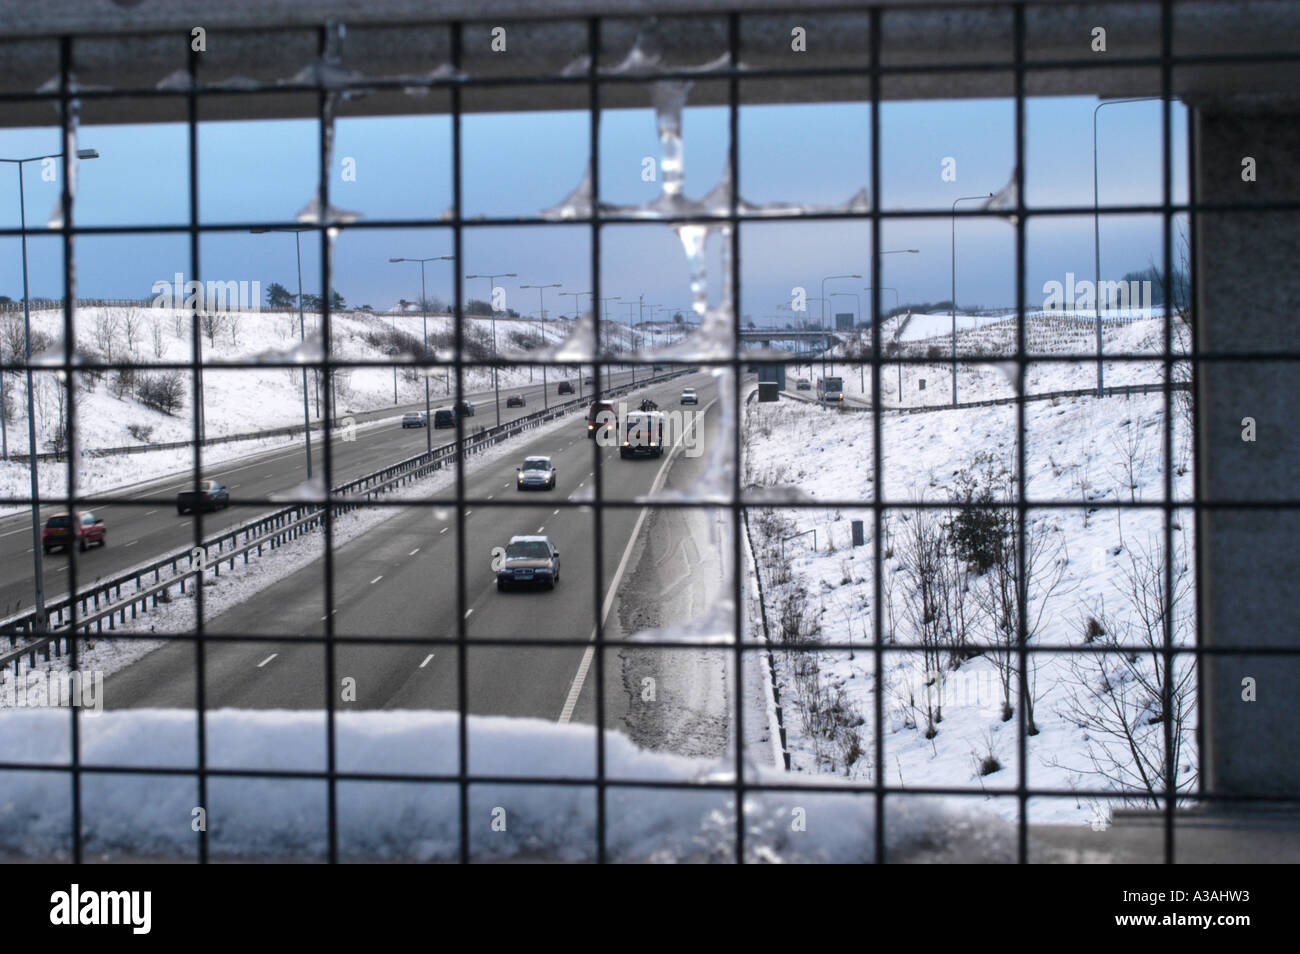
pixel 862 373
pixel 541 316
pixel 953 303
pixel 577 310
pixel 302 336
pixel 424 309
pixel 38 575
pixel 1096 227
pixel 492 284
pixel 605 304
pixel 826 341
pixel 896 306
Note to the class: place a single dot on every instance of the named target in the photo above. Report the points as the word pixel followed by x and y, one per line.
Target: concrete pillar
pixel 1248 290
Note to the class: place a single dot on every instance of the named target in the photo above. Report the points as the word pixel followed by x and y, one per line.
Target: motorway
pixel 399 579
pixel 147 526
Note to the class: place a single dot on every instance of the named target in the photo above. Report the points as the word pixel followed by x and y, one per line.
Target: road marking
pixel 151 513
pixel 376 579
pixel 490 496
pixel 468 612
pixel 131 544
pixel 414 552
pixel 264 476
pixel 267 660
pixel 426 660
pixel 444 529
pixel 541 528
pixel 575 689
pixel 554 512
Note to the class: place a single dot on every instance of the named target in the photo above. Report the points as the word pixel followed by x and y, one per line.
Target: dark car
pixel 414 419
pixel 515 400
pixel 63 528
pixel 564 387
pixel 210 496
pixel 530 559
pixel 465 408
pixel 804 384
pixel 444 417
pixel 601 416
pixel 589 382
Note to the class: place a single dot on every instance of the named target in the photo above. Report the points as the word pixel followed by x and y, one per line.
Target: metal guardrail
pixel 269 531
pixel 1117 390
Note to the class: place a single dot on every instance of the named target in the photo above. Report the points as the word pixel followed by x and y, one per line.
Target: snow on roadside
pixel 1083 449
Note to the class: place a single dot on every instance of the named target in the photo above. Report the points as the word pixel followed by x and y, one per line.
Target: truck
pixel 830 389
pixel 643 434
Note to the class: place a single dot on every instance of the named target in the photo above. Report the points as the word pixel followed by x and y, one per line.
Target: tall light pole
pixel 302 336
pixel 38 574
pixel 424 309
pixel 577 311
pixel 541 317
pixel 492 284
pixel 608 369
pixel 1096 228
pixel 953 303
pixel 826 342
pixel 873 321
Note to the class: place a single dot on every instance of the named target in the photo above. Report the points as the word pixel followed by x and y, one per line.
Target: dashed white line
pixel 151 513
pixel 267 660
pixel 414 552
pixel 554 512
pixel 468 612
pixel 131 544
pixel 426 660
pixel 541 528
pixel 376 579
pixel 444 529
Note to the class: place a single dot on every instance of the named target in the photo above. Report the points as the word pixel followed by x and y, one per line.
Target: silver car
pixel 538 473
pixel 529 560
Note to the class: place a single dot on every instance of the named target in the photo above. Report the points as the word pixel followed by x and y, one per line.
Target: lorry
pixel 830 389
pixel 643 434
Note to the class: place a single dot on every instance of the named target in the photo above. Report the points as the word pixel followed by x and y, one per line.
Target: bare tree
pixel 1135 704
pixel 924 558
pixel 108 322
pixel 211 323
pixel 132 322
pixel 1130 445
pixel 156 331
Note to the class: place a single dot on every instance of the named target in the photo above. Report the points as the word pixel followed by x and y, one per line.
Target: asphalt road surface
pixel 146 526
pixel 399 579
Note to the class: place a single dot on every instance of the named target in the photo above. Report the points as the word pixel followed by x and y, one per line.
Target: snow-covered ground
pixel 1085 450
pixel 151 816
pixel 244 400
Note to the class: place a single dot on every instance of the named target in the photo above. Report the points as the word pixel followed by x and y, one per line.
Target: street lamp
pixel 302 336
pixel 896 307
pixel 1096 227
pixel 826 342
pixel 492 284
pixel 541 316
pixel 577 308
pixel 38 576
pixel 953 303
pixel 424 308
pixel 608 368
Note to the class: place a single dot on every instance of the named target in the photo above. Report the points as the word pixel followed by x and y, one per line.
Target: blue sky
pixel 518 164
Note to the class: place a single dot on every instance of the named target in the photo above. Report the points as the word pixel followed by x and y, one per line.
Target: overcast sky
pixel 519 164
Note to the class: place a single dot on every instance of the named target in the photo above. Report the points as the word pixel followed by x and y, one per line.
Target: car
pixel 444 417
pixel 537 473
pixel 589 382
pixel 643 434
pixel 803 384
pixel 528 560
pixel 515 400
pixel 465 408
pixel 564 387
pixel 414 419
pixel 63 528
pixel 657 367
pixel 689 396
pixel 210 495
pixel 601 415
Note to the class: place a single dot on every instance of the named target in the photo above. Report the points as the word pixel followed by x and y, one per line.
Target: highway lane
pixel 148 526
pixel 399 580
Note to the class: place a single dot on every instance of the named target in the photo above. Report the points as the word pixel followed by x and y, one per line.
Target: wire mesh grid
pixel 596 80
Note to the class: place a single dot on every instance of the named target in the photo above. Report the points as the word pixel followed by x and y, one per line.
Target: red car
pixel 564 387
pixel 62 528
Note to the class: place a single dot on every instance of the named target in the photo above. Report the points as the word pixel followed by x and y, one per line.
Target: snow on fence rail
pixel 1117 390
pixel 269 531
